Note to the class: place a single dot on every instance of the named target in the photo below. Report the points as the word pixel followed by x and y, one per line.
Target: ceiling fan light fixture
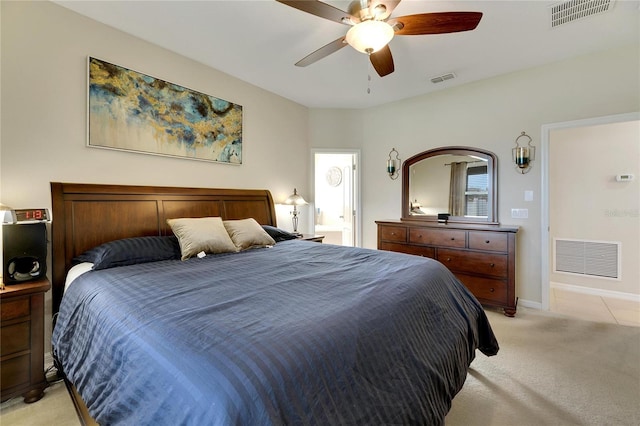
pixel 369 36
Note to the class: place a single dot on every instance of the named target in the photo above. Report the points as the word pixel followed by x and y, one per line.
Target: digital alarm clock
pixel 26 216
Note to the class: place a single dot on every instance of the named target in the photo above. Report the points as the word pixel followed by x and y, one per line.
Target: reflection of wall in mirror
pixel 429 183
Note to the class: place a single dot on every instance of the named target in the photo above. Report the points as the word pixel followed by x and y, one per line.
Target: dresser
pixel 22 340
pixel 482 257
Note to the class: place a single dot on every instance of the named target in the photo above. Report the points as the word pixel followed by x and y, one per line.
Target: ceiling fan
pixel 372 29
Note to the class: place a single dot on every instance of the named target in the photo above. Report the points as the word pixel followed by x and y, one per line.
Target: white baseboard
pixel 530 304
pixel 596 291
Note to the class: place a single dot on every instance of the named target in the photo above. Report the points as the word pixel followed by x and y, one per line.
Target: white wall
pixel 44 78
pixel 43 136
pixel 587 203
pixel 489 114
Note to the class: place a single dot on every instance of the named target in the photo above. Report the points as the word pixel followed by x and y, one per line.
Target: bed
pixel 290 332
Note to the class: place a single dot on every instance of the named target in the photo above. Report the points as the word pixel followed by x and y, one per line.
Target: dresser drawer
pixel 474 262
pixel 493 241
pixel 437 237
pixel 485 289
pixel 17 308
pixel 404 248
pixel 15 372
pixel 15 338
pixel 393 233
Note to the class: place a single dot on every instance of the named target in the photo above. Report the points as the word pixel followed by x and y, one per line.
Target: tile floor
pixel 595 308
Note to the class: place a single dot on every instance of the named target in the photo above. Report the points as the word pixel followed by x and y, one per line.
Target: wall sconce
pixel 393 165
pixel 295 200
pixel 523 155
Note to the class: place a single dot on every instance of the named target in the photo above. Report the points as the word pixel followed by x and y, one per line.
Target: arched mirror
pixel 458 181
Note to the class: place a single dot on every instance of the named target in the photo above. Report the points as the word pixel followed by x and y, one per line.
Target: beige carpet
pixel 551 370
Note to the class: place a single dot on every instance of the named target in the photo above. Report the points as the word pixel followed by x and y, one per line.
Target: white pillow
pixel 248 233
pixel 206 234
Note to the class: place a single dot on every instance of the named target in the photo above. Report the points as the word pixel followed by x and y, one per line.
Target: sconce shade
pixel 369 36
pixel 522 156
pixel 295 199
pixel 391 167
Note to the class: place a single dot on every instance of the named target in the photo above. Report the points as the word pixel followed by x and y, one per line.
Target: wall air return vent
pixel 595 258
pixel 444 77
pixel 572 10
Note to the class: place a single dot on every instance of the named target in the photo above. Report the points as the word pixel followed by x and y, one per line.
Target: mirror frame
pixel 492 171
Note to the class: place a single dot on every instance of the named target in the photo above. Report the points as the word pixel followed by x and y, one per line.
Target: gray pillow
pixel 278 234
pixel 129 251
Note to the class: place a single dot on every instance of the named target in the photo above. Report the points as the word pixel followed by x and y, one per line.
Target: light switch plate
pixel 520 213
pixel 528 195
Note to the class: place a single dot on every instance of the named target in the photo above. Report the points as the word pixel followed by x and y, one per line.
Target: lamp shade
pixel 369 36
pixel 295 199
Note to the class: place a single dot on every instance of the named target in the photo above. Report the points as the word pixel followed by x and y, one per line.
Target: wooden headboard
pixel 87 215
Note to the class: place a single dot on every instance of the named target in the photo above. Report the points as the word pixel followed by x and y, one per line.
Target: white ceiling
pixel 259 42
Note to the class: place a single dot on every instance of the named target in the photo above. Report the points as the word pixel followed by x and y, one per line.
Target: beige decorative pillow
pixel 206 234
pixel 247 233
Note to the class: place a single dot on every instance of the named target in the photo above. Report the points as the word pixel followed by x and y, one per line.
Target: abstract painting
pixel 135 112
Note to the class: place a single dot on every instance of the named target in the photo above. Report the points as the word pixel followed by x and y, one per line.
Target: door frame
pixel 544 164
pixel 356 185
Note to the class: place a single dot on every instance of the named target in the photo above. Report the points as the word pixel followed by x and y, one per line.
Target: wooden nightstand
pixel 22 340
pixel 312 237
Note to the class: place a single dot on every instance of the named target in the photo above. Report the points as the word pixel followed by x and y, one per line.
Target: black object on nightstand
pixel 312 237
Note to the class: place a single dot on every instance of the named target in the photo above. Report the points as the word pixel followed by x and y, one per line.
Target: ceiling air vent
pixel 572 10
pixel 441 78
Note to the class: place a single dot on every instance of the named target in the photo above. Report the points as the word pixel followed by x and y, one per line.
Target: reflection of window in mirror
pixel 477 191
pixel 469 182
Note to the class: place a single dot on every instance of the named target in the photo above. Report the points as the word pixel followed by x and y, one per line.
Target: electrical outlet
pixel 520 213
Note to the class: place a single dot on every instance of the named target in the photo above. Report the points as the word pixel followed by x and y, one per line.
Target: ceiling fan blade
pixel 382 61
pixel 324 51
pixel 321 9
pixel 436 23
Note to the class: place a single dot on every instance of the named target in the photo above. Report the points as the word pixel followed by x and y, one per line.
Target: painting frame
pixel 134 112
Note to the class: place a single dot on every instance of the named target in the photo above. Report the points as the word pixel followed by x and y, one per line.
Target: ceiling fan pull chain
pixel 369 84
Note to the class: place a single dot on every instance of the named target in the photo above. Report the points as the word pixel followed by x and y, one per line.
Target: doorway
pixel 336 195
pixel 576 285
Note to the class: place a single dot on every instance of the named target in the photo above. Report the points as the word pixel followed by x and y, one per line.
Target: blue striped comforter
pixel 298 334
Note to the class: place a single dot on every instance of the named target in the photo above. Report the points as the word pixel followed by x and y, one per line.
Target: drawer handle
pixel 393 233
pixel 448 259
pixel 492 264
pixel 452 238
pixel 491 290
pixel 487 241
